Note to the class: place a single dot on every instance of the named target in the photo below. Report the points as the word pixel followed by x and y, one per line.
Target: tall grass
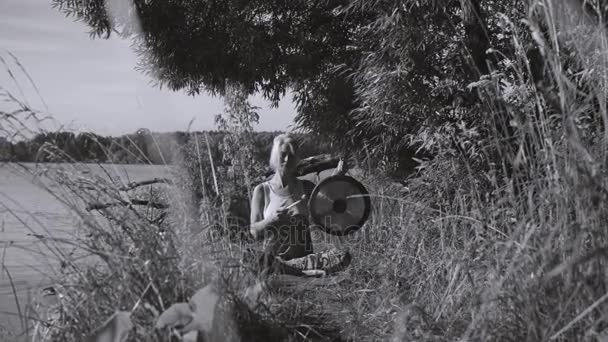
pixel 515 253
pixel 116 254
pixel 121 252
pixel 506 242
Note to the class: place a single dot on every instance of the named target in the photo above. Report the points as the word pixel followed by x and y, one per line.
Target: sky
pixel 92 85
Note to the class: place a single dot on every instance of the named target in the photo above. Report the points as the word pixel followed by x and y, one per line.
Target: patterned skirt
pixel 328 262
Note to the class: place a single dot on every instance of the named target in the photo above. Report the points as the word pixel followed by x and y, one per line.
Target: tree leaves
pixel 362 72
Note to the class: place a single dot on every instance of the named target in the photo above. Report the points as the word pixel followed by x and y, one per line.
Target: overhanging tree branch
pixel 134 185
pixel 101 206
pixel 314 164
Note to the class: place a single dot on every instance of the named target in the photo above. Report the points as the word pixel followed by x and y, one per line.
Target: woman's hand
pixel 341 168
pixel 273 222
pixel 279 216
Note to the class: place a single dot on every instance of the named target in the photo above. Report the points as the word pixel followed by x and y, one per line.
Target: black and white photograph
pixel 303 170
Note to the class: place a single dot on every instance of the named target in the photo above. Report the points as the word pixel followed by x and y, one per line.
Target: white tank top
pixel 294 242
pixel 280 199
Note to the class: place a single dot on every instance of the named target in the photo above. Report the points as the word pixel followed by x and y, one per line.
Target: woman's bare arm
pixel 259 223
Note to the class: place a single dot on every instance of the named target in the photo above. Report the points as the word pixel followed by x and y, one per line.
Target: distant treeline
pixel 140 147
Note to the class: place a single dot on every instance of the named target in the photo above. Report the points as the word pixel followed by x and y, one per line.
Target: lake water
pixel 27 208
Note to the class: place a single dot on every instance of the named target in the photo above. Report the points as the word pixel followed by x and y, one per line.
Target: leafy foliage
pixel 373 73
pixel 501 236
pixel 196 45
pixel 141 147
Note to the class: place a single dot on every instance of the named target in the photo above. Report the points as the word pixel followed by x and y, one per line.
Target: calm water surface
pixel 27 208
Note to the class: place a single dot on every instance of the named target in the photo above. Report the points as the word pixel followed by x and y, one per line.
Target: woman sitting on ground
pixel 279 213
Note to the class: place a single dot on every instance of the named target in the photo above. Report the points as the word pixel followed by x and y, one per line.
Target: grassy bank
pixel 499 237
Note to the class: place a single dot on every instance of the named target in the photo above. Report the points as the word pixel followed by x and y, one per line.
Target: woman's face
pixel 287 160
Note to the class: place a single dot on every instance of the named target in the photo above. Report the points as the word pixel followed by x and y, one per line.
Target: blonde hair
pixel 277 143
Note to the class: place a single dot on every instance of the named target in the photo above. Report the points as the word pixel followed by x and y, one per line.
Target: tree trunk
pixel 476 35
